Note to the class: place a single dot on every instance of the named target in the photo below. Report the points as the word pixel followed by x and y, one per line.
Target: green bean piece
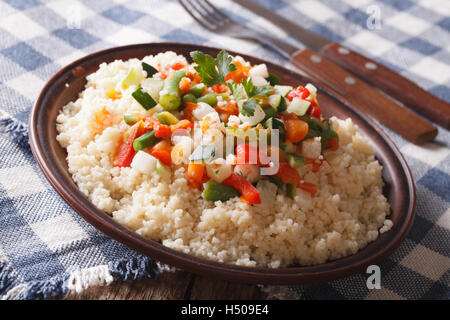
pixel 211 98
pixel 171 99
pixel 148 139
pixel 214 191
pixel 129 119
pixel 290 190
pixel 198 89
pixel 189 97
pixel 144 99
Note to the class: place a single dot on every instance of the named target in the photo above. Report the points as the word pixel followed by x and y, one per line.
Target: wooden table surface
pixel 173 286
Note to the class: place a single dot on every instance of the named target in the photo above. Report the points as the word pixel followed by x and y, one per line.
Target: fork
pixel 342 85
pixel 211 18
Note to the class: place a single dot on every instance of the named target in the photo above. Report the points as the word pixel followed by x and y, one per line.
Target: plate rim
pixel 191 263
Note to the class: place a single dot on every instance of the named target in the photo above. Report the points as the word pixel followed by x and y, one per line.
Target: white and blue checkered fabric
pixel 47 250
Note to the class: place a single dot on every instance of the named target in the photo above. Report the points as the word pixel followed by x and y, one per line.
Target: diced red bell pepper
pixel 314 111
pixel 126 152
pixel 309 187
pixel 332 144
pixel 288 174
pixel 299 92
pixel 249 193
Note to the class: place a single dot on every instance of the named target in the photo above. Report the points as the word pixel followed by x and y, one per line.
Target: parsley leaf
pixel 264 90
pixel 253 90
pixel 213 71
pixel 248 86
pixel 237 89
pixel 248 107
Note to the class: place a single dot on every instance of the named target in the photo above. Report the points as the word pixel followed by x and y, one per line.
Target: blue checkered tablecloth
pixel 47 251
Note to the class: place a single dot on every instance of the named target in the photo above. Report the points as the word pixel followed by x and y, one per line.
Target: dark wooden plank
pixel 207 288
pixel 167 286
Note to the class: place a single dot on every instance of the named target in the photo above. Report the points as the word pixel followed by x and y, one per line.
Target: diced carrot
pixel 195 174
pixel 226 110
pixel 177 66
pixel 288 174
pixel 195 78
pixel 249 193
pixel 185 85
pixel 309 187
pixel 149 123
pixel 187 112
pixel 162 131
pixel 296 130
pixel 182 124
pixel 219 88
pixel 162 150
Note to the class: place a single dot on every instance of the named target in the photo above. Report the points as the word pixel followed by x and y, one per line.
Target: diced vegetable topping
pixel 144 99
pixel 171 99
pixel 149 69
pixel 134 77
pixel 214 191
pixel 148 139
pixel 224 98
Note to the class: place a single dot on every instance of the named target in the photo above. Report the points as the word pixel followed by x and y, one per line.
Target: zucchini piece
pixel 144 99
pixel 166 117
pixel 149 69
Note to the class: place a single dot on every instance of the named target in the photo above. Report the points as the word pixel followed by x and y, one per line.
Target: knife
pixel 366 69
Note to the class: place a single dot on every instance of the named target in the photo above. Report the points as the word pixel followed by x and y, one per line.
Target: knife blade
pixel 310 39
pixel 377 75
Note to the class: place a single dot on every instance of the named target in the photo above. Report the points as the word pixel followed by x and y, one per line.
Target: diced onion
pixel 202 110
pixel 143 162
pixel 259 70
pixel 258 81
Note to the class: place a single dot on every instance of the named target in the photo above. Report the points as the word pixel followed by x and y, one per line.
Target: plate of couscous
pixel 222 164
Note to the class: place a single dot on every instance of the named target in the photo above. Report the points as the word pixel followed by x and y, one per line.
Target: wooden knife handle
pixel 364 98
pixel 390 82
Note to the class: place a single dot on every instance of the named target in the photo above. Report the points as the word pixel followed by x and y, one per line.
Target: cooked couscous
pixel 322 201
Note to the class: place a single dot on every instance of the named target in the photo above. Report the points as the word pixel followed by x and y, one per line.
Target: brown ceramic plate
pixel 399 186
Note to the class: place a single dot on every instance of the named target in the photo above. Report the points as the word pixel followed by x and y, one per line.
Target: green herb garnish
pixel 213 71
